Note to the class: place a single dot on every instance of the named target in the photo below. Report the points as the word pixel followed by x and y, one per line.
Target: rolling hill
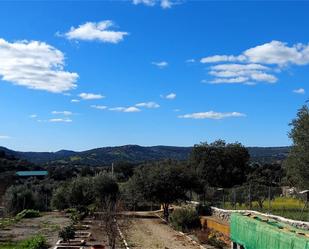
pixel 133 153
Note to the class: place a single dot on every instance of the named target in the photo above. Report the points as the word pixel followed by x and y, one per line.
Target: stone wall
pixel 225 215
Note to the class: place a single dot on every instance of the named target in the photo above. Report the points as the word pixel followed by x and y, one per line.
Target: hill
pixel 133 153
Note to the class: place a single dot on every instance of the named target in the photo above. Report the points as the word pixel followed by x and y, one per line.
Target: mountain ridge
pixel 133 153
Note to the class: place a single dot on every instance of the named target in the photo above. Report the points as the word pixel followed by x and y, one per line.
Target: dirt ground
pixel 48 225
pixel 153 233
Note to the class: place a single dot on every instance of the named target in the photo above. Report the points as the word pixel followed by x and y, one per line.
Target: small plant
pixel 28 213
pixel 185 219
pixel 35 242
pixel 67 233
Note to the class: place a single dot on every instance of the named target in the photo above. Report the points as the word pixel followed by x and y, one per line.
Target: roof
pixel 32 173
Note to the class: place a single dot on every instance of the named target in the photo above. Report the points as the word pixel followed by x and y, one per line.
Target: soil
pixel 153 233
pixel 48 225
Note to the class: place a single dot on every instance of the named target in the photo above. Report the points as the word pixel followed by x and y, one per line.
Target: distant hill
pixel 133 153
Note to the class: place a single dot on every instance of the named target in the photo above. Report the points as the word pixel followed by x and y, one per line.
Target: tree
pixel 220 164
pixel 18 198
pixel 107 196
pixel 163 182
pixel 297 162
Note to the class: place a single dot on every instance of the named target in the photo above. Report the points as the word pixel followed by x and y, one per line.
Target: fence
pixel 267 199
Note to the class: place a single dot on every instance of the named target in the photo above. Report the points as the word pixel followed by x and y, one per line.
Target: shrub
pixel 28 213
pixel 35 242
pixel 185 219
pixel 67 233
pixel 203 209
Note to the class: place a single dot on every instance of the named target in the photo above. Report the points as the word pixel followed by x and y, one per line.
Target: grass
pixel 283 206
pixel 35 242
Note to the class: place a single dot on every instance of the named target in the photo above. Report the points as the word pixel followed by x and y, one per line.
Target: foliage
pixel 220 164
pixel 18 198
pixel 203 209
pixel 67 233
pixel 35 242
pixel 298 158
pixel 77 193
pixel 163 182
pixel 185 219
pixel 28 213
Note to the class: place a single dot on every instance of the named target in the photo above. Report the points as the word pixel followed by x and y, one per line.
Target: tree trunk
pixel 166 211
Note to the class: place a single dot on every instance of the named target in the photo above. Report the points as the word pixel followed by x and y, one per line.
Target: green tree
pixel 220 164
pixel 297 162
pixel 163 182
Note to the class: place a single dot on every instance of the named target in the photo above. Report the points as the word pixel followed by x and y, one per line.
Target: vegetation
pixel 185 219
pixel 298 159
pixel 35 242
pixel 67 233
pixel 28 213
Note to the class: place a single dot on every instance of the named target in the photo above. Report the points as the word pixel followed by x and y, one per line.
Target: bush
pixel 28 213
pixel 203 209
pixel 67 233
pixel 36 242
pixel 185 219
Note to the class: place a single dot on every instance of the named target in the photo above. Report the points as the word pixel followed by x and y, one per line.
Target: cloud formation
pixel 90 96
pixel 65 113
pixel 99 107
pixel 169 96
pixel 164 4
pixel 125 109
pixel 4 137
pixel 299 91
pixel 60 120
pixel 150 105
pixel 92 31
pixel 35 65
pixel 212 115
pixel 75 100
pixel 160 64
pixel 257 64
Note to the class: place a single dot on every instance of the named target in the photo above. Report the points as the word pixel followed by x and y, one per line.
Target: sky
pixel 84 74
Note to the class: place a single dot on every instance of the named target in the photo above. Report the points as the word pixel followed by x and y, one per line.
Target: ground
pixel 153 233
pixel 48 225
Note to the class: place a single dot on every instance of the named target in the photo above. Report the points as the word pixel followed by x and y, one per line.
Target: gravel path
pixel 152 233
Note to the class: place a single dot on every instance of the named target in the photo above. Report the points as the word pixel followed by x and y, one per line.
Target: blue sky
pixel 150 72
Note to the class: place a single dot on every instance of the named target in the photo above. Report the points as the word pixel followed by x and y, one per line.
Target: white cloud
pixel 299 91
pixel 212 115
pixel 90 96
pixel 223 58
pixel 33 116
pixel 145 2
pixel 149 105
pixel 190 60
pixel 100 107
pixel 165 4
pixel 75 100
pixel 169 96
pixel 4 137
pixel 36 65
pixel 125 109
pixel 60 120
pixel 99 31
pixel 277 52
pixel 160 64
pixel 273 54
pixel 65 113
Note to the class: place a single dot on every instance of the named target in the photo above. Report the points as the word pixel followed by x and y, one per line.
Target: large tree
pixel 297 162
pixel 220 164
pixel 163 182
